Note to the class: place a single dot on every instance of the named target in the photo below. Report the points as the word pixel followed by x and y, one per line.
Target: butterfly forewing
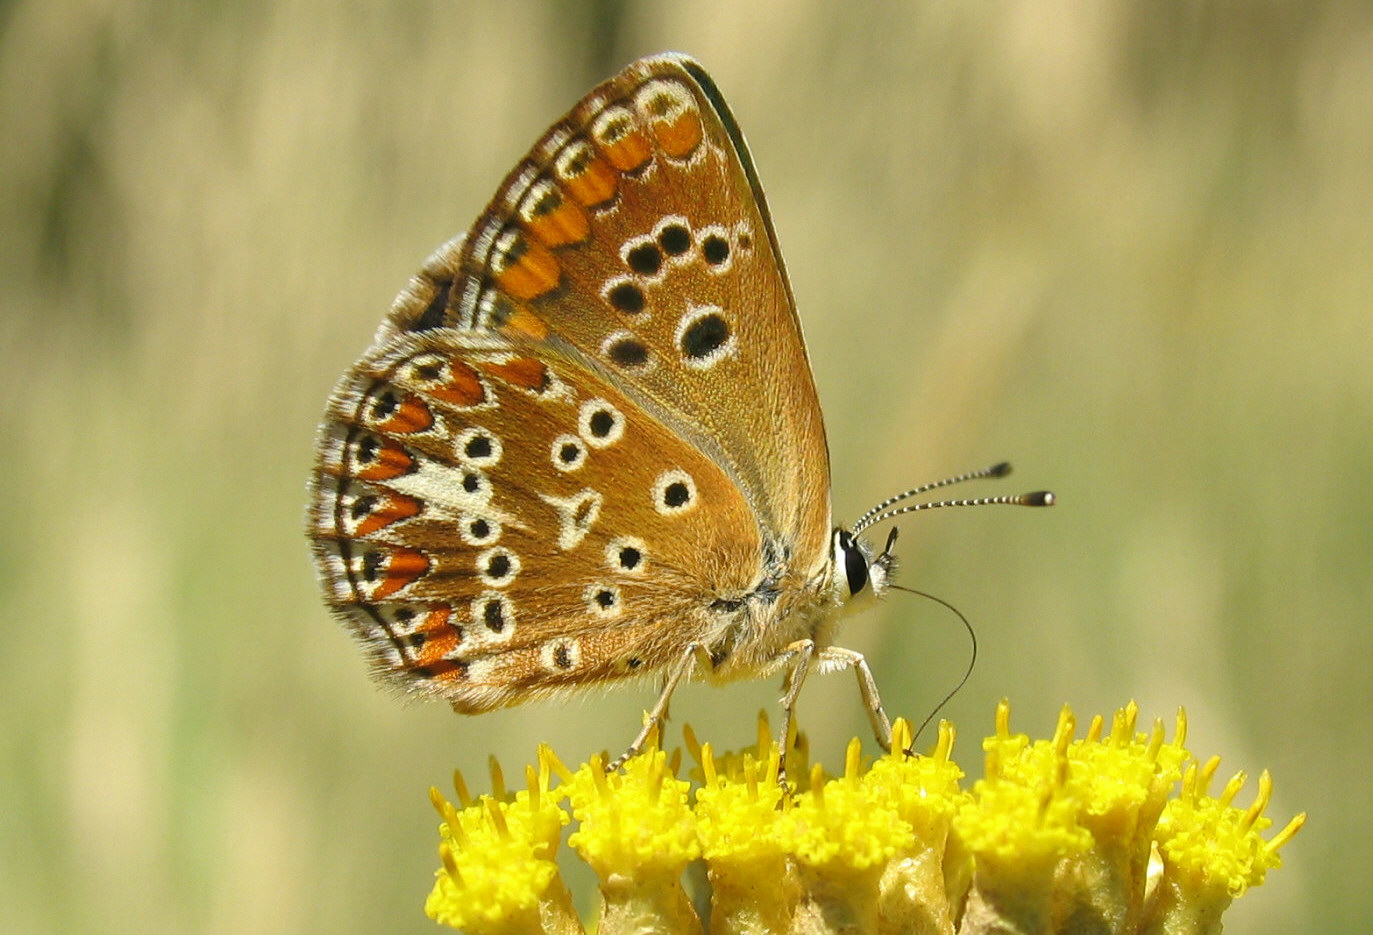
pixel 635 231
pixel 588 427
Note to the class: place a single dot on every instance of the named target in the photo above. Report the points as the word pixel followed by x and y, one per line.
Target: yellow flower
pixel 1211 852
pixel 638 833
pixel 1061 835
pixel 499 874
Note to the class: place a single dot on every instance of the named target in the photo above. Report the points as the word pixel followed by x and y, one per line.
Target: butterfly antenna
pixel 972 656
pixel 884 510
pixel 996 470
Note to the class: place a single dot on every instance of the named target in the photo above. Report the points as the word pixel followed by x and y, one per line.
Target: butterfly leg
pixel 694 652
pixel 836 656
pixel 831 657
pixel 802 652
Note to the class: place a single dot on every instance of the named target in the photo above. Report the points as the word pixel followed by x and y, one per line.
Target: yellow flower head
pixel 636 821
pixel 1211 847
pixel 1061 834
pixel 498 854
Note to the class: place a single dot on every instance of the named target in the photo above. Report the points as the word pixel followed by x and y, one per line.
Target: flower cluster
pixel 1115 831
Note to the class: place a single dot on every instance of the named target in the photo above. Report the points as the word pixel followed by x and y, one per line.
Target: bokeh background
pixel 1127 244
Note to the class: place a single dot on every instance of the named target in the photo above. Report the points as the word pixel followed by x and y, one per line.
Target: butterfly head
pixel 860 576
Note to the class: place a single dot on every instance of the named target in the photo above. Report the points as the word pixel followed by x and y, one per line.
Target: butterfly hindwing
pixel 475 500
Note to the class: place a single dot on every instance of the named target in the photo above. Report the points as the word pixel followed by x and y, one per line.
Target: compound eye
pixel 855 564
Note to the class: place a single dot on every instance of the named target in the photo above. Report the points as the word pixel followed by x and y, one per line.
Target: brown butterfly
pixel 585 445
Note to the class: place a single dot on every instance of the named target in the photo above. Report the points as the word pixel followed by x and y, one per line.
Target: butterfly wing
pixel 587 431
pixel 489 524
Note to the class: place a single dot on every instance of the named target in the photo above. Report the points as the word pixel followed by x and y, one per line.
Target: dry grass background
pixel 1127 244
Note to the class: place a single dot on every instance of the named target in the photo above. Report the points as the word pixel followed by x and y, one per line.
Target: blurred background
pixel 1126 244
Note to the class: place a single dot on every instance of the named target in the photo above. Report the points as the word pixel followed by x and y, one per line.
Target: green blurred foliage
pixel 1126 244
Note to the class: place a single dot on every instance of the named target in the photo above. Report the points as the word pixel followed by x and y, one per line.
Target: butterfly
pixel 585 445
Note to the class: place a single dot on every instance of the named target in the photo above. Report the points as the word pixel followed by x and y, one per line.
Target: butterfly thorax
pixel 746 634
pixel 790 604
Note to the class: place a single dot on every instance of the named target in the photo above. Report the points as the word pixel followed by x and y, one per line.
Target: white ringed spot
pixel 603 600
pixel 612 125
pixel 568 454
pixel 478 530
pixel 475 484
pixel 600 424
pixel 705 337
pixel 478 447
pixel 493 617
pixel 561 655
pixel 716 248
pixel 672 234
pixel 626 555
pixel 427 370
pixel 663 99
pixel 674 492
pixel 626 295
pixel 626 350
pixel 497 567
pixel 508 248
pixel 542 198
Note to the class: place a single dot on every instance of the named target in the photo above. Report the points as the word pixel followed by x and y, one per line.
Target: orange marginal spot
pixel 411 416
pixel 403 567
pixel 627 153
pixel 565 224
pixel 436 621
pixel 440 638
pixel 445 670
pixel 392 508
pixel 524 322
pixel 433 653
pixel 590 180
pixel 679 137
pixel 463 387
pixel 524 372
pixel 390 460
pixel 534 271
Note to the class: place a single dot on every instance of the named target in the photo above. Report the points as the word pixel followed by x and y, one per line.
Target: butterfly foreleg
pixel 693 653
pixel 867 687
pixel 802 653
